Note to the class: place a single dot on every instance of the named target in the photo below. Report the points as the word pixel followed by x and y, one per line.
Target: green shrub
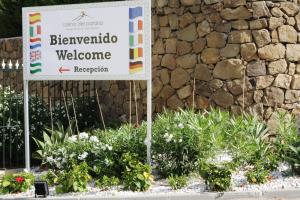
pixel 15 183
pixel 136 175
pixel 74 180
pixel 176 145
pixel 106 182
pixel 217 178
pixel 258 175
pixel 50 177
pixel 177 182
pixel 294 157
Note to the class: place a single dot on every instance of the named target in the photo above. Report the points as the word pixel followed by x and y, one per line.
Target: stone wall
pixel 242 54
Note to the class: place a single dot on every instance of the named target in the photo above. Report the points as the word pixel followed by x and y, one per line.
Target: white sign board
pixel 98 41
pixel 101 41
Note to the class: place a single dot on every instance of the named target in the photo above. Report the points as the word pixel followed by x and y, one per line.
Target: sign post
pixel 97 41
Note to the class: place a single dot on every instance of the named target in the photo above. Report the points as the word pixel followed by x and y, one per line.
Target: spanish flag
pixel 34 18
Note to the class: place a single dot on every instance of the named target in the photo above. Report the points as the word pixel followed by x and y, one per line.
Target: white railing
pixel 9 64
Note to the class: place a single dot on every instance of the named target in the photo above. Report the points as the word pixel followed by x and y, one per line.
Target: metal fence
pixel 42 95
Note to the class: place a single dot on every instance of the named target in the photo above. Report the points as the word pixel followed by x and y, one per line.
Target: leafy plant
pixel 74 180
pixel 257 175
pixel 50 177
pixel 57 136
pixel 106 182
pixel 294 157
pixel 177 182
pixel 218 178
pixel 136 175
pixel 15 183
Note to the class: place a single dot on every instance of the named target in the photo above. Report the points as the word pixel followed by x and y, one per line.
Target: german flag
pixel 136 66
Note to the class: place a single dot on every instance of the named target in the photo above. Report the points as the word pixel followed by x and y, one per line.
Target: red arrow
pixel 62 69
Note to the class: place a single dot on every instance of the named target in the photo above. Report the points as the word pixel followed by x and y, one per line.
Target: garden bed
pixel 192 154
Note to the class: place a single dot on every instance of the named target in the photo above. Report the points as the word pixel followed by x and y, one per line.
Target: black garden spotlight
pixel 41 189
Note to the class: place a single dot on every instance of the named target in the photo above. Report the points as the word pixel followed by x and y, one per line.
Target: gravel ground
pixel 277 181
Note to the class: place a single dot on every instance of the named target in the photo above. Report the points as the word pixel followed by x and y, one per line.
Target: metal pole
pixel 26 124
pixel 149 120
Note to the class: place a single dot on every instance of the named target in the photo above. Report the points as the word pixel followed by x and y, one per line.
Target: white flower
pixel 83 136
pixel 108 147
pixel 83 156
pixel 94 139
pixel 73 138
pixel 181 126
pixel 180 140
pixel 168 137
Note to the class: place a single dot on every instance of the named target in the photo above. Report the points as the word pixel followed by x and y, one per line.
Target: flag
pixel 135 12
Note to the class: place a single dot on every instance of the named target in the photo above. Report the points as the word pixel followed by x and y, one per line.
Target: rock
pixel 158 47
pixel 216 40
pixel 229 69
pixel 236 86
pixel 171 45
pixel 157 86
pixel 274 36
pixel 287 34
pixel 184 92
pixel 256 110
pixel 261 37
pixel 292 52
pixel 258 24
pixel 234 3
pixel 163 21
pixel 201 102
pixel 256 68
pixel 202 72
pixel 203 28
pixel 183 48
pixel 223 98
pixel 292 96
pixel 173 21
pixel 292 69
pixel 258 95
pixel 179 77
pixel 276 12
pixel 223 27
pixel 272 52
pixel 275 22
pixel 238 37
pixel 188 34
pixel 215 84
pixel 273 96
pixel 164 76
pixel 156 60
pixel 186 20
pixel 263 82
pixel 199 44
pixel 174 103
pixel 240 25
pixel 230 51
pixel 295 85
pixel 260 9
pixel 248 51
pixel 164 32
pixel 161 3
pixel 211 1
pixel 236 13
pixel 166 92
pixel 187 61
pixel 283 81
pixel 174 3
pixel 210 55
pixel 246 99
pixel 277 67
pixel 297 18
pixel 168 61
pixel 289 8
pixel 187 2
